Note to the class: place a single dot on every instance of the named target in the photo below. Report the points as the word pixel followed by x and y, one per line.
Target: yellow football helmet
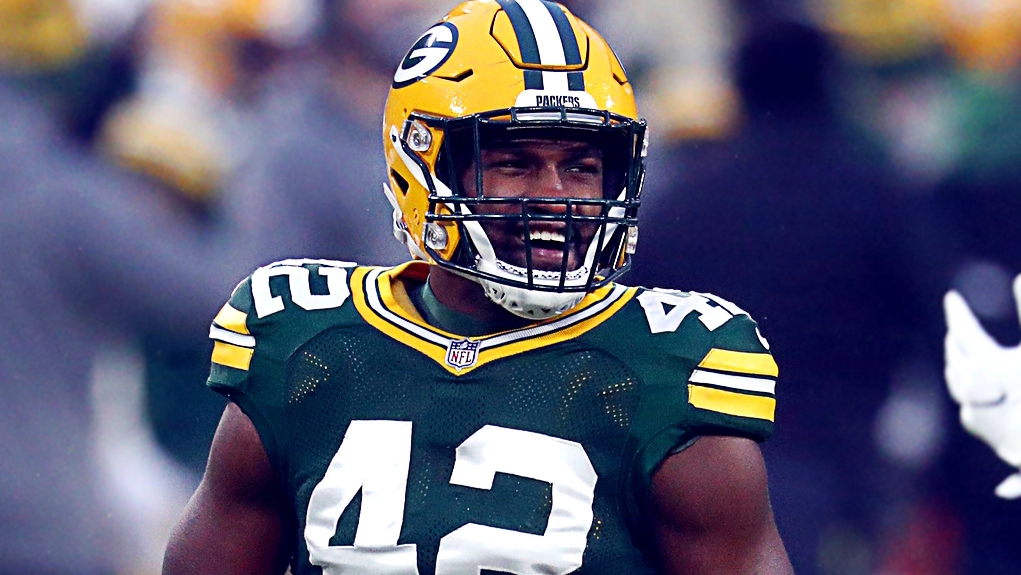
pixel 498 69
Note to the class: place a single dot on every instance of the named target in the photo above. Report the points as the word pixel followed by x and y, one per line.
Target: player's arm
pixel 711 513
pixel 235 523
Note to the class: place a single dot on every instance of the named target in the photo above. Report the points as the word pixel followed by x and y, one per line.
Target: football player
pixel 499 404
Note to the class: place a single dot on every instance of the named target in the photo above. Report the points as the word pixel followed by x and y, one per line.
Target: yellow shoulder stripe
pixel 232 319
pixel 232 355
pixel 731 403
pixel 402 301
pixel 740 362
pixel 360 299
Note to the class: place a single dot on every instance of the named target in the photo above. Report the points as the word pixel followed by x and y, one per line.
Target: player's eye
pixel 588 166
pixel 505 162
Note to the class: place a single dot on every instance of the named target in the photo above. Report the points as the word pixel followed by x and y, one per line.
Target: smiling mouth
pixel 546 239
pixel 548 245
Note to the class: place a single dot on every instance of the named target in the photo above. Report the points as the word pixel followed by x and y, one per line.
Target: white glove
pixel 985 378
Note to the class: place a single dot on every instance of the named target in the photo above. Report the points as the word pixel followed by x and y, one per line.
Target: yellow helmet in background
pixel 883 31
pixel 177 126
pixel 494 69
pixel 177 143
pixel 40 35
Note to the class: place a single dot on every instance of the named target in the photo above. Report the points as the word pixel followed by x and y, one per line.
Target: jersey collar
pixel 382 301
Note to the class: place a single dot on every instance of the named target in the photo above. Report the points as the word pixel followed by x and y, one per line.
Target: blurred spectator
pixel 790 219
pixel 92 257
pixel 181 130
pixel 88 254
pixel 311 188
pixel 677 54
pixel 965 230
pixel 944 109
pixel 180 125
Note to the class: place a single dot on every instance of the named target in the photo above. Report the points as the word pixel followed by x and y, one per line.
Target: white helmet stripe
pixel 482 244
pixel 541 40
pixel 551 47
pixel 615 213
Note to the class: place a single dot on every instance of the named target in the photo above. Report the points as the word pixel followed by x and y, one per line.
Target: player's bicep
pixel 711 513
pixel 235 523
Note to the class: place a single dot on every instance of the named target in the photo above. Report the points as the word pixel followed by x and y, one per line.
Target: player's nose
pixel 548 181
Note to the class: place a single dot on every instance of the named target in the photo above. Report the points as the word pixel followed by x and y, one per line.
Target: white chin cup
pixel 520 301
pixel 529 304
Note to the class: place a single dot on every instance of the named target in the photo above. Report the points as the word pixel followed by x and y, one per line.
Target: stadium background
pixel 832 166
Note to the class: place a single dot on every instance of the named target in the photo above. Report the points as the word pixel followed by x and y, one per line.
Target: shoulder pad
pixel 300 280
pixel 665 310
pixel 298 285
pixel 733 375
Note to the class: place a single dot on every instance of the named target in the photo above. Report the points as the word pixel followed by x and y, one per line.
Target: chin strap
pixel 529 304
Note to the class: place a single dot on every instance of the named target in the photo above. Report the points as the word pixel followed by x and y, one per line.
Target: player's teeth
pixel 547 236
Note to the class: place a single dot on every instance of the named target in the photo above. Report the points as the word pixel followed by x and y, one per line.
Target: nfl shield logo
pixel 462 354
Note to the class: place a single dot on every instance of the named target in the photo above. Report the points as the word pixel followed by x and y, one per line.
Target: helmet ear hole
pixel 399 180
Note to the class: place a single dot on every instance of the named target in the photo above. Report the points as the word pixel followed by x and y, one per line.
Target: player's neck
pixel 467 297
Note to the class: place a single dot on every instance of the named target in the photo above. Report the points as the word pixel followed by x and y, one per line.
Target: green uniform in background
pixel 408 449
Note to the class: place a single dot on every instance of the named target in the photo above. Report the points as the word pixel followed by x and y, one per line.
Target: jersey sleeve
pixel 236 333
pixel 233 342
pixel 269 316
pixel 731 390
pixel 713 375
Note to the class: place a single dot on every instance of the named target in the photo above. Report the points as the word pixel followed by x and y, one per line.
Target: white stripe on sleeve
pixel 220 334
pixel 740 382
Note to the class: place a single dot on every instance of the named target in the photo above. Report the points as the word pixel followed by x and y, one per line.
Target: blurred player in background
pixel 324 101
pixel 185 130
pixel 94 257
pixel 501 404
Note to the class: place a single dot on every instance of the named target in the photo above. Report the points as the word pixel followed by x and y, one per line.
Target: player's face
pixel 539 168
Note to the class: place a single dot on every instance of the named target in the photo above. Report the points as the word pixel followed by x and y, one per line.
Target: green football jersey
pixel 407 449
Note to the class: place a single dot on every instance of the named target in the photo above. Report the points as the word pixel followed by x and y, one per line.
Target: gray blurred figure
pixel 789 216
pixel 88 255
pixel 310 184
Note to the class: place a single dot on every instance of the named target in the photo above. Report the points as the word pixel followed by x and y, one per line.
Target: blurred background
pixel 832 166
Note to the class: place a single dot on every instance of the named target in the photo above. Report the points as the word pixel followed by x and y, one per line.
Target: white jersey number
pixel 298 281
pixel 654 303
pixel 375 456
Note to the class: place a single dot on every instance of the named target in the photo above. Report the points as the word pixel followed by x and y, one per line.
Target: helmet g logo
pixel 428 54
